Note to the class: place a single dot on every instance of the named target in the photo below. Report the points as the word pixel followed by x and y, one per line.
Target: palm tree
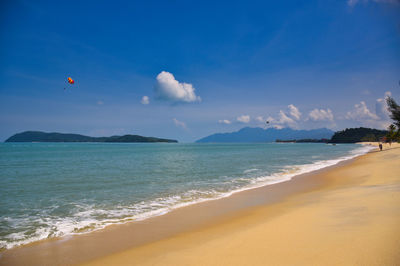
pixel 391 135
pixel 394 110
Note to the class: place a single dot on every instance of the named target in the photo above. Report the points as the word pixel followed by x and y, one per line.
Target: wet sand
pixel 345 214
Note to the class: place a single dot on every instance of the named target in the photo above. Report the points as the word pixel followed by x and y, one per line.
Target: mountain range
pixel 257 134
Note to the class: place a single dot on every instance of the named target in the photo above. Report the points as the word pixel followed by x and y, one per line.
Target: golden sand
pixel 353 219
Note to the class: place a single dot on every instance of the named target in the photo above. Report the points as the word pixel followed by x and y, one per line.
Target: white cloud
pixel 381 108
pixel 145 100
pixel 270 119
pixel 243 119
pixel 294 111
pixel 285 120
pixel 168 88
pixel 224 121
pixel 321 115
pixel 379 119
pixel 260 119
pixel 361 112
pixel 293 118
pixel 179 123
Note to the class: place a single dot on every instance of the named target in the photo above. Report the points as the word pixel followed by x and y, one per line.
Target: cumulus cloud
pixel 179 123
pixel 379 119
pixel 145 100
pixel 260 119
pixel 294 111
pixel 361 112
pixel 270 119
pixel 293 118
pixel 287 119
pixel 321 115
pixel 381 107
pixel 224 121
pixel 243 119
pixel 168 88
pixel 284 119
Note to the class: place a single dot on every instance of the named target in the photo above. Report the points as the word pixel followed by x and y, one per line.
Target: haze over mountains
pixel 257 134
pixel 244 135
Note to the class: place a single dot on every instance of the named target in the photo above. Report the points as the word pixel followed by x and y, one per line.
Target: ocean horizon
pixel 58 189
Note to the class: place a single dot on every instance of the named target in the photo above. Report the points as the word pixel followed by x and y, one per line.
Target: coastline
pixel 82 222
pixel 215 220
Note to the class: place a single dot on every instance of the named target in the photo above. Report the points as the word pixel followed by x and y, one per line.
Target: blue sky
pixel 205 67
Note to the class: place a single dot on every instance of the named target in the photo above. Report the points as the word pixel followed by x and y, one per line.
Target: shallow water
pixel 55 189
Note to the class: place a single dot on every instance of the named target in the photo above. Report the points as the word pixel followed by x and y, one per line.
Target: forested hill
pixel 353 135
pixel 37 136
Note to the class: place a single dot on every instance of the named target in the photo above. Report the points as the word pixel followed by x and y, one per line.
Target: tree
pixel 394 110
pixel 391 135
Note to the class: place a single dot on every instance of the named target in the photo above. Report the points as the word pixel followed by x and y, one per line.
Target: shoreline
pixel 278 177
pixel 95 245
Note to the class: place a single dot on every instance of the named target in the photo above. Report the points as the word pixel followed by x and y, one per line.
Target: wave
pixel 89 218
pixel 250 170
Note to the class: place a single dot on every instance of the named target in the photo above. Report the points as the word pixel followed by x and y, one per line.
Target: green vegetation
pixel 353 135
pixel 394 109
pixel 37 136
pixel 392 135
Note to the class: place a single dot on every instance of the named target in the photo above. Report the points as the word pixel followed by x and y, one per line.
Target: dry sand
pixel 353 219
pixel 347 214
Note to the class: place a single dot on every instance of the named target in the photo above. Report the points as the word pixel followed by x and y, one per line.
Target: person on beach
pixel 380 146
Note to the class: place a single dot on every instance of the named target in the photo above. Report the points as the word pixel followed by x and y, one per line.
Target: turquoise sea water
pixel 55 189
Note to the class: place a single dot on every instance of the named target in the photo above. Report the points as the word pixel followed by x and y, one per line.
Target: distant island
pixel 257 134
pixel 38 136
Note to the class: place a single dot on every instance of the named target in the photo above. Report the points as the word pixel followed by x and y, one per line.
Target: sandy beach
pixel 347 214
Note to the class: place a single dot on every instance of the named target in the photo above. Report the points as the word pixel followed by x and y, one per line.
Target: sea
pixel 57 189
